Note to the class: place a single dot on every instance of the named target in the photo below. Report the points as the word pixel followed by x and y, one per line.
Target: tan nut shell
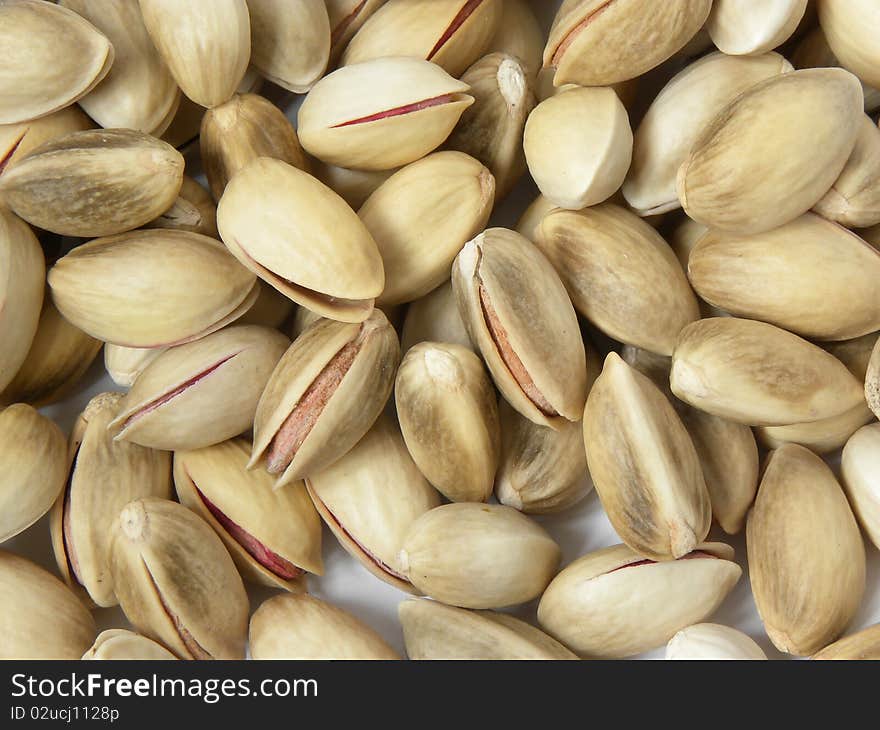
pixel 529 223
pixel 353 186
pixel 17 140
pixel 520 35
pixel 712 641
pixel 434 318
pixel 116 644
pixel 864 644
pixel 859 470
pixel 806 556
pixel 124 364
pixel 193 211
pixel 740 27
pixel 346 19
pixel 271 309
pixel 853 32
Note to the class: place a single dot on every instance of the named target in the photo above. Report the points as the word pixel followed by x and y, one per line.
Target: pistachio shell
pixel 176 583
pixel 300 237
pixel 712 641
pixel 578 146
pixel 41 617
pixel 274 536
pixel 859 470
pixel 381 113
pixel 860 645
pixel 757 374
pixel 205 43
pixel 105 475
pixel 200 393
pixel 610 603
pixel 746 173
pixel 325 393
pixel 740 27
pixel 187 286
pixel 478 555
pixel 183 129
pixel 853 32
pixel 370 497
pixel 299 626
pixel 434 631
pixel 346 19
pixel 125 364
pixel 529 223
pixel 353 186
pixel 806 556
pixel 518 313
pixel 52 57
pixel 116 644
pixel 434 318
pixel 193 211
pixel 94 183
pixel 823 437
pixel 271 309
pixel 519 35
pixel 17 140
pixel 300 321
pixel 422 216
pixel 872 235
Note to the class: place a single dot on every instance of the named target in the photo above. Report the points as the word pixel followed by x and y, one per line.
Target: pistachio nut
pixel 382 113
pixel 677 117
pixel 448 414
pixel 422 216
pixel 805 551
pixel 41 617
pixel 712 641
pixel 184 127
pixel 740 28
pixel 478 555
pixel 94 183
pixel 726 182
pixel 353 186
pixel 176 583
pixel 187 286
pixel 17 140
pixel 758 374
pixel 193 211
pixel 578 146
pixel 323 396
pixel 432 630
pixel 434 318
pixel 597 43
pixel 200 393
pixel 300 237
pixel 105 475
pixel 346 18
pixel 300 626
pixel 450 33
pixel 290 42
pixel 864 644
pixel 492 129
pixel 241 130
pixel 858 467
pixel 138 92
pixel 620 274
pixel 519 35
pixel 271 309
pixel 853 33
pixel 529 223
pixel 33 461
pixel 116 644
pixel 854 353
pixel 300 321
pixel 518 314
pixel 682 238
pixel 52 58
pixel 206 44
pixel 612 603
pixel 370 497
pixel 125 364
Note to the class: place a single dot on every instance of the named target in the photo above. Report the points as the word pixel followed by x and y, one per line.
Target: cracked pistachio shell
pixel 124 364
pixel 448 414
pixel 541 470
pixel 241 130
pixel 200 393
pixel 644 465
pixel 206 44
pixel 491 130
pixel 479 555
pixel 810 276
pixel 300 237
pixel 22 272
pixel 274 536
pixel 271 309
pixel 300 626
pixel 578 146
pixel 852 29
pixel 33 461
pixel 620 274
pixel 290 42
pixel 518 314
pixel 370 497
pixel 741 27
pixel 519 35
pixel 434 318
pixel 805 551
pixel 432 630
pixel 325 393
pixel 677 117
pixel 187 286
pixel 597 43
pixel 381 114
pixel 864 644
pixel 346 18
pixel 17 140
pixel 353 186
pixel 712 641
pixel 859 470
pixel 176 583
pixel 739 174
pixel 611 603
pixel 94 183
pixel 51 58
pixel 450 33
pixel 41 617
pixel 105 475
pixel 757 374
pixel 193 211
pixel 854 200
pixel 138 92
pixel 116 644
pixel 422 216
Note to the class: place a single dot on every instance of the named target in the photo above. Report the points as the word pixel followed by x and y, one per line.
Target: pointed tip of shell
pixel 682 540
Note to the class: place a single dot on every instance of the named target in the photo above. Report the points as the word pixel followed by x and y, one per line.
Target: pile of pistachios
pixel 332 331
